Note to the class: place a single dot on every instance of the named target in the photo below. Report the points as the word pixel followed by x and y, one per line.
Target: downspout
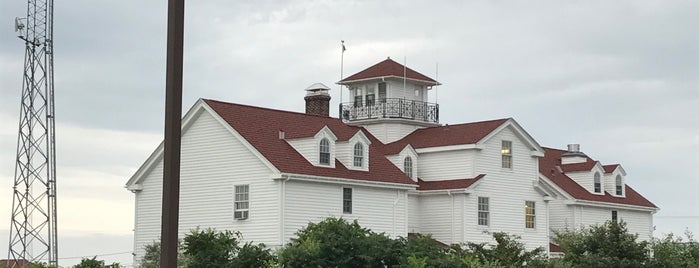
pixel 451 239
pixel 282 210
pixel 548 228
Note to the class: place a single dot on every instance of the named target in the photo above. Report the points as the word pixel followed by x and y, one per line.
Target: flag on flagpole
pixel 343 46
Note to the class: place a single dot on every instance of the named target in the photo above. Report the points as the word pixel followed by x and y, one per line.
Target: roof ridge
pixel 272 109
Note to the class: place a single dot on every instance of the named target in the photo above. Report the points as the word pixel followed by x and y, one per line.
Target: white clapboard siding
pixel 508 189
pixel 638 222
pixel 212 162
pixel 442 216
pixel 390 131
pixel 414 214
pixel 307 147
pixel 586 179
pixel 446 165
pixel 560 216
pixel 379 209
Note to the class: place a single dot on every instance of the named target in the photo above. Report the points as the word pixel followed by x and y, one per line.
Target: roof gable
pixel 261 126
pixel 469 133
pixel 550 167
pixel 388 68
pixel 187 121
pixel 519 132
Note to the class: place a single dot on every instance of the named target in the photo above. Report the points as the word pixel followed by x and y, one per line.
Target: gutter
pixel 335 180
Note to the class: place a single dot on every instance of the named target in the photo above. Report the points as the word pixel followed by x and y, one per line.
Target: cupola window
pixel 324 152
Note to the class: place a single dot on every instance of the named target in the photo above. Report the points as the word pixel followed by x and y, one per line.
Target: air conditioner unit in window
pixel 240 215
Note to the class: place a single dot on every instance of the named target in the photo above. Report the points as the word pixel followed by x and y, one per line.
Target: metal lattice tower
pixel 33 232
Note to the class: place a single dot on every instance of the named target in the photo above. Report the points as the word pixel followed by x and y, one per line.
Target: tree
pixel 95 263
pixel 674 251
pixel 209 248
pixel 151 258
pixel 508 251
pixel 334 242
pixel 606 245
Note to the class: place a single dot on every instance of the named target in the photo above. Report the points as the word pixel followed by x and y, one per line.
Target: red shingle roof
pixel 261 126
pixel 14 263
pixel 388 68
pixel 610 168
pixel 447 184
pixel 468 133
pixel 555 248
pixel 584 166
pixel 552 159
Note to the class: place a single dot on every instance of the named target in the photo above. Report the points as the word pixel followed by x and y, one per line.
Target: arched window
pixel 598 184
pixel 358 155
pixel 324 151
pixel 408 166
pixel 618 187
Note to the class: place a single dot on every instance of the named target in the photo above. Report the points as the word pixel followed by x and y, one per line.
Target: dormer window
pixel 619 186
pixel 408 166
pixel 358 155
pixel 598 184
pixel 324 152
pixel 506 152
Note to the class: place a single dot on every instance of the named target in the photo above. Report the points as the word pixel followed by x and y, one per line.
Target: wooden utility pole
pixel 173 117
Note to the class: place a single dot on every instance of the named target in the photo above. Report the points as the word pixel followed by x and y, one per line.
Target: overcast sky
pixel 619 77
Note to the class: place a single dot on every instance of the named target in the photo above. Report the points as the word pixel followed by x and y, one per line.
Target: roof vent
pixel 573 155
pixel 574 148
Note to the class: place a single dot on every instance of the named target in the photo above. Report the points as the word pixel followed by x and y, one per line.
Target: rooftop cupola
pixel 389 93
pixel 318 99
pixel 573 155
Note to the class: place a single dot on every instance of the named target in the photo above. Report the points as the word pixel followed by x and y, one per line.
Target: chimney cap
pixel 317 88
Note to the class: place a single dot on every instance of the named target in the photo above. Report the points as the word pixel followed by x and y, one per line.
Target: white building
pixel 387 163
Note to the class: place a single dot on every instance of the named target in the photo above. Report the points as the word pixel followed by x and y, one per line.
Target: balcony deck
pixel 391 108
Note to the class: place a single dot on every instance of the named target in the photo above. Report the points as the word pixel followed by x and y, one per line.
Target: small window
pixel 598 184
pixel 324 151
pixel 242 202
pixel 358 101
pixel 530 214
pixel 382 92
pixel 347 200
pixel 614 215
pixel 358 155
pixel 483 210
pixel 370 100
pixel 408 166
pixel 619 187
pixel 506 152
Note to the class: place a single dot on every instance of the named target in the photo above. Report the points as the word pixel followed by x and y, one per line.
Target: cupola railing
pixel 390 108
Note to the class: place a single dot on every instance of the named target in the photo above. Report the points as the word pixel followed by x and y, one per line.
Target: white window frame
pixel 506 152
pixel 597 184
pixel 347 200
pixel 530 214
pixel 358 155
pixel 483 217
pixel 618 185
pixel 322 152
pixel 408 166
pixel 615 215
pixel 241 204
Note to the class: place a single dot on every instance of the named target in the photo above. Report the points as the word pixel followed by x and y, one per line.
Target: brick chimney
pixel 318 100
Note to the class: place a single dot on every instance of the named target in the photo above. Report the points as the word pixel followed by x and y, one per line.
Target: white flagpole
pixel 342 66
pixel 405 63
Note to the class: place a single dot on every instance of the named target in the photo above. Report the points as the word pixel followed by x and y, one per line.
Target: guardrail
pixel 391 108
